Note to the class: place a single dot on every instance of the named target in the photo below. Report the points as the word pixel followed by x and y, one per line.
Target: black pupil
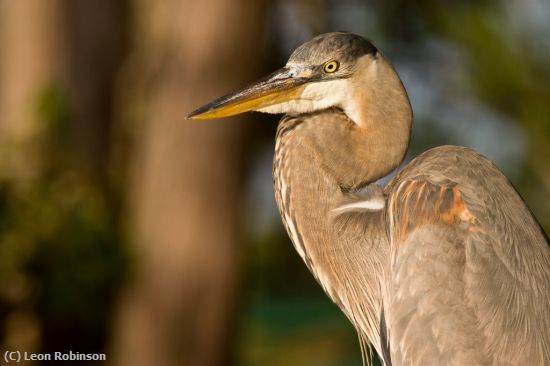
pixel 331 66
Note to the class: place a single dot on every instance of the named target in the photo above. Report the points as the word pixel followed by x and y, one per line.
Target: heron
pixel 444 265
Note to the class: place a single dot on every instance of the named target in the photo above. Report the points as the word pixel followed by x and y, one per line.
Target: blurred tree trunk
pixel 97 38
pixel 29 31
pixel 185 180
pixel 57 68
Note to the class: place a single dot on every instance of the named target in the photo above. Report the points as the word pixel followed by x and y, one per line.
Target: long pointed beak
pixel 276 88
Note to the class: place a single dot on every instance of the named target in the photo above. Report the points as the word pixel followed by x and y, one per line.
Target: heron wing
pixel 469 281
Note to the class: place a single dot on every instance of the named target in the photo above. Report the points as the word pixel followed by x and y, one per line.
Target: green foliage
pixel 60 250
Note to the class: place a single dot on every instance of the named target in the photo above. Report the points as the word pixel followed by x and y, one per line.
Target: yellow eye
pixel 330 67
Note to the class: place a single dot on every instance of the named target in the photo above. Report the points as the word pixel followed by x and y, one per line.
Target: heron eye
pixel 330 67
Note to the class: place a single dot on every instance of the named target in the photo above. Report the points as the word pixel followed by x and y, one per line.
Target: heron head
pixel 321 73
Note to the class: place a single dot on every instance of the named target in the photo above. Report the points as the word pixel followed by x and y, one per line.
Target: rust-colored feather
pixel 419 202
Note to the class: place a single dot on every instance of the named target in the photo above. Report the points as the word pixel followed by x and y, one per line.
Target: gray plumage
pixel 443 266
pixel 341 46
pixel 476 273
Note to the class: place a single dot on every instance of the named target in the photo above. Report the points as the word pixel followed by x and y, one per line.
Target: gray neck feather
pixel 320 158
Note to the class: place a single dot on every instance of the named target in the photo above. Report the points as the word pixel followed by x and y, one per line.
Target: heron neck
pixel 322 161
pixel 380 108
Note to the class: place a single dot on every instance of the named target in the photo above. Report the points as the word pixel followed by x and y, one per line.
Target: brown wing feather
pixel 470 269
pixel 418 202
pixel 430 224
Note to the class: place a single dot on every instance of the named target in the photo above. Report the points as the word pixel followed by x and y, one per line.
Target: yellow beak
pixel 277 88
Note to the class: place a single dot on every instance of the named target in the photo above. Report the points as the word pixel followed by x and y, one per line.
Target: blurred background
pixel 126 229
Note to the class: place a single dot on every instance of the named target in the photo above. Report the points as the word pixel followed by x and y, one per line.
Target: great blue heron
pixel 445 265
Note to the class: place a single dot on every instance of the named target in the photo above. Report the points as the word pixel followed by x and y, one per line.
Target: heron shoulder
pixel 460 189
pixel 457 163
pixel 453 185
pixel 454 202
